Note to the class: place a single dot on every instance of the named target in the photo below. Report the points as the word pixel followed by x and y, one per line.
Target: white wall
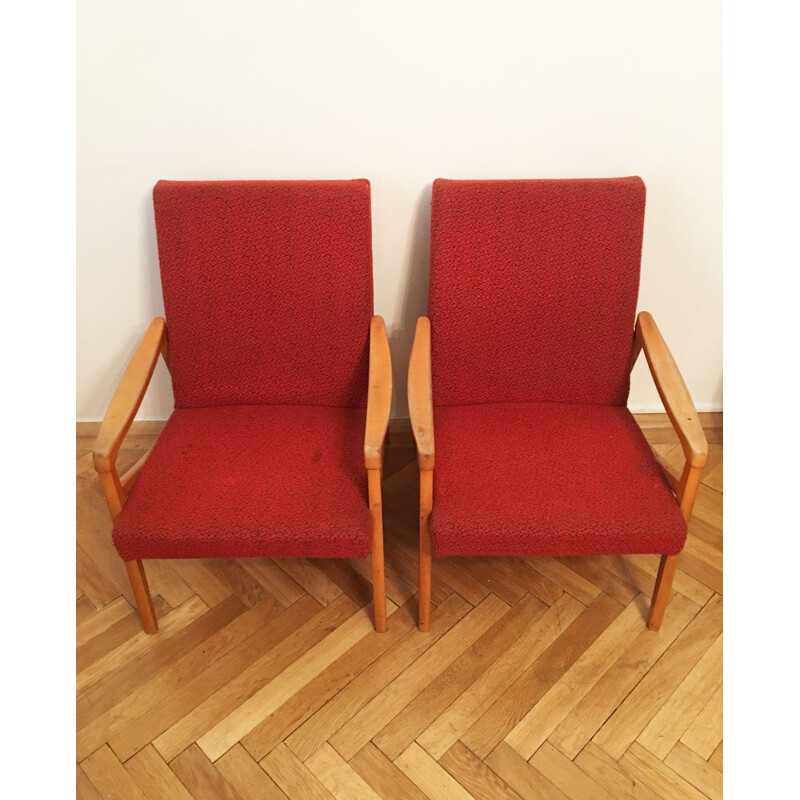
pixel 400 93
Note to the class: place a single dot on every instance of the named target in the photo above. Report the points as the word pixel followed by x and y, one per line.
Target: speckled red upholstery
pixel 268 296
pixel 548 479
pixel 267 290
pixel 247 481
pixel 533 292
pixel 533 289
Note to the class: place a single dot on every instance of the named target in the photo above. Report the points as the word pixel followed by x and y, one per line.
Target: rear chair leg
pixel 666 572
pixel 141 592
pixel 425 507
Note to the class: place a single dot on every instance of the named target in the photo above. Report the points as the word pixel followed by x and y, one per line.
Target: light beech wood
pixel 664 578
pixel 680 412
pixel 425 556
pixel 116 423
pixel 379 403
pixel 378 572
pixel 507 648
pixel 379 395
pixel 671 388
pixel 120 417
pixel 142 594
pixel 686 422
pixel 127 398
pixel 420 396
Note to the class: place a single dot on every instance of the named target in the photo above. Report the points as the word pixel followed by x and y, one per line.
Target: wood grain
pixel 266 679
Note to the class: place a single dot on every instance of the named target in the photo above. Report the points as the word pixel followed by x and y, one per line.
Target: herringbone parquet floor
pixel 538 678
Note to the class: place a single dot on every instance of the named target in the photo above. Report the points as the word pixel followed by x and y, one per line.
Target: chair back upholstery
pixel 533 289
pixel 267 290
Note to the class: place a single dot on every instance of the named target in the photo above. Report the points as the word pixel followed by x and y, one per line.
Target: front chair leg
pixel 378 571
pixel 141 592
pixel 425 508
pixel 666 572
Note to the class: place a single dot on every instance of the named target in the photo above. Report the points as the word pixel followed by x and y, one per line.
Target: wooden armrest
pixel 672 390
pixel 420 394
pixel 128 397
pixel 379 396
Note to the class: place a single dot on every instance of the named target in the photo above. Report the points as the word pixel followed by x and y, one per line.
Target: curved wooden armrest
pixel 128 397
pixel 672 390
pixel 379 396
pixel 420 394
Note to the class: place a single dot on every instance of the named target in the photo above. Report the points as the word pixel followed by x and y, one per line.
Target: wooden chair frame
pixel 677 403
pixel 128 397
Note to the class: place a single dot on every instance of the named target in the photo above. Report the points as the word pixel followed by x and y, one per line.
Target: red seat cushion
pixel 533 289
pixel 267 290
pixel 548 479
pixel 251 481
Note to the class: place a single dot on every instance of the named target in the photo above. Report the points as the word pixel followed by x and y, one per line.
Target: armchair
pixel 524 367
pixel 281 377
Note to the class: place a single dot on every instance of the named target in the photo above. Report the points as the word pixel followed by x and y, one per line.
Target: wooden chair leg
pixel 378 573
pixel 425 507
pixel 666 572
pixel 141 592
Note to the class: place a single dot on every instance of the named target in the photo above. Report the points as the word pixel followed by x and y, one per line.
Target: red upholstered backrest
pixel 533 289
pixel 267 290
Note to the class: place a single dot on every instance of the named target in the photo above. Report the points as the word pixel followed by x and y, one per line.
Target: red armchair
pixel 281 377
pixel 524 367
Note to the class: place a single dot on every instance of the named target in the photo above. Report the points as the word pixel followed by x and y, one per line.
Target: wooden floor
pixel 538 678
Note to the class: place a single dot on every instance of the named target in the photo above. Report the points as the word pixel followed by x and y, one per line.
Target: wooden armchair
pixel 524 366
pixel 281 377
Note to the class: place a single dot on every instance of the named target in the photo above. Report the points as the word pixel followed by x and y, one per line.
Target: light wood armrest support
pixel 679 407
pixel 420 394
pixel 121 411
pixel 379 396
pixel 672 390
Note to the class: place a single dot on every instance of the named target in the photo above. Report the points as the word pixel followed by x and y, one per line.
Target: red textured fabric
pixel 533 289
pixel 267 290
pixel 548 479
pixel 251 481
